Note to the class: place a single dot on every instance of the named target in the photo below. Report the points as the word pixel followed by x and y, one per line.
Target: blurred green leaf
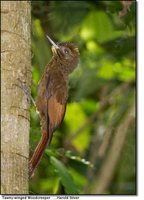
pixel 65 177
pixel 70 155
pixel 98 26
pixel 73 109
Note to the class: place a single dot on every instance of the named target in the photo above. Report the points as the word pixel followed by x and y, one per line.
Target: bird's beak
pixel 52 42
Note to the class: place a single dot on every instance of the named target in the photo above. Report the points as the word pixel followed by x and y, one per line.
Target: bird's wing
pixel 51 101
pixel 56 113
pixel 57 93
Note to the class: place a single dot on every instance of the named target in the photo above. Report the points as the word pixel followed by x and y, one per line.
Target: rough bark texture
pixel 16 63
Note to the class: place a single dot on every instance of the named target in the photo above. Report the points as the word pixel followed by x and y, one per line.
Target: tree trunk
pixel 15 120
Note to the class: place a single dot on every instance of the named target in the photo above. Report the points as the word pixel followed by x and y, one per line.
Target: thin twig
pixel 108 169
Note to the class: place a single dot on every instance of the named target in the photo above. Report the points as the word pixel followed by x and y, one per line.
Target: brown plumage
pixel 53 95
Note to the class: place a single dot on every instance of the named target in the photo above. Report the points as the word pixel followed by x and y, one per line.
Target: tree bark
pixel 15 120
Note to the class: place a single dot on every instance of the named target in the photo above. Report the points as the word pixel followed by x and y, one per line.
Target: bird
pixel 53 94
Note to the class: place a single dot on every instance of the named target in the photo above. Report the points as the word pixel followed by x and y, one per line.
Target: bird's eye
pixel 66 51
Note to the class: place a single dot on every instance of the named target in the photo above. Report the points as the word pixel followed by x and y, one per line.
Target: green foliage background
pixel 101 95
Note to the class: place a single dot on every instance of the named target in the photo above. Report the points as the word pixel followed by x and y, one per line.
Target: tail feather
pixel 37 155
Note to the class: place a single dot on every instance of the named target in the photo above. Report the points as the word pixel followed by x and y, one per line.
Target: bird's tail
pixel 37 155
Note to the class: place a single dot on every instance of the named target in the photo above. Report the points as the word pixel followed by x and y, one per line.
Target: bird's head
pixel 66 52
